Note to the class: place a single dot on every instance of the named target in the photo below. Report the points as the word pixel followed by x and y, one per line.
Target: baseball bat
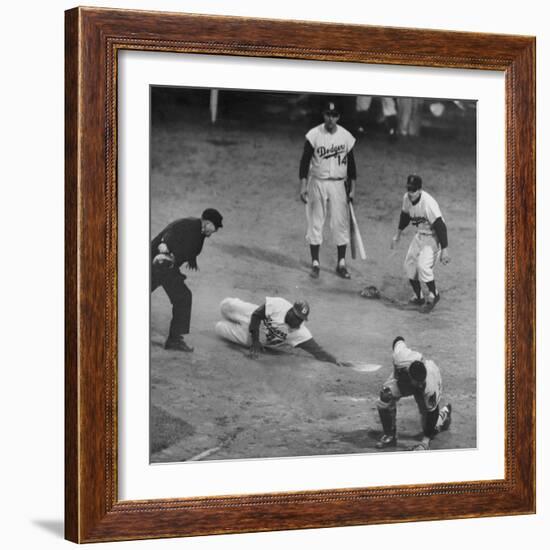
pixel 352 239
pixel 357 234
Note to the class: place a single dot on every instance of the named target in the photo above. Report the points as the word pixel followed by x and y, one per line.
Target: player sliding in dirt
pixel 275 323
pixel 412 375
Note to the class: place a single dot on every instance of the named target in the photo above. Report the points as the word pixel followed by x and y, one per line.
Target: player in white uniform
pixel 429 243
pixel 412 375
pixel 275 323
pixel 327 163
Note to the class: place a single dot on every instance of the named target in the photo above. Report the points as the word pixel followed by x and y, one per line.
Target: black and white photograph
pixel 155 155
pixel 313 274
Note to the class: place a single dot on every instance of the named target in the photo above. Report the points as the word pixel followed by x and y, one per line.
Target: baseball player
pixel 327 163
pixel 275 323
pixel 412 375
pixel 180 242
pixel 429 243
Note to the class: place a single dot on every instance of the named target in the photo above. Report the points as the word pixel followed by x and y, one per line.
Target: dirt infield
pixel 216 403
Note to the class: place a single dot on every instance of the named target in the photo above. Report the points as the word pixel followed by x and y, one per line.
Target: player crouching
pixel 429 243
pixel 412 375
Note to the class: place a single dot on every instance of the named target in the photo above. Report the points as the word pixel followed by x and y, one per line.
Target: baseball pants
pixel 234 326
pixel 327 197
pixel 421 257
pixel 173 283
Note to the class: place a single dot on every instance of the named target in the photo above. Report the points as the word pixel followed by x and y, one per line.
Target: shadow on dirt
pixel 342 290
pixel 362 439
pixel 396 304
pixel 366 439
pixel 222 142
pixel 256 253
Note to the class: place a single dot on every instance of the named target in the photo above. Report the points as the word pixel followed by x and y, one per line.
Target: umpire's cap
pixel 212 215
pixel 330 108
pixel 301 309
pixel 414 183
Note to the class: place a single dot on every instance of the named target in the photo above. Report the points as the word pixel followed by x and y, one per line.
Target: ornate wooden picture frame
pixel 93 511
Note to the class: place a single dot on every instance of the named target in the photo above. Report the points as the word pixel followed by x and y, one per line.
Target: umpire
pixel 179 242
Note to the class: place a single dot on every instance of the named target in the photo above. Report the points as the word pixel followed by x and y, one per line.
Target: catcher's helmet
pixel 301 309
pixel 414 183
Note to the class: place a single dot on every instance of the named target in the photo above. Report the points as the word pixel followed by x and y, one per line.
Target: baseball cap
pixel 414 182
pixel 330 108
pixel 212 215
pixel 301 309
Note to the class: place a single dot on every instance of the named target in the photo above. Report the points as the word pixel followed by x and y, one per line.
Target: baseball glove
pixel 370 292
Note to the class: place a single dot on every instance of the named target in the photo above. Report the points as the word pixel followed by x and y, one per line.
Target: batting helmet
pixel 301 309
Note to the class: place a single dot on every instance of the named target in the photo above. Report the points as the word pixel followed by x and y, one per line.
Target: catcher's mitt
pixel 370 292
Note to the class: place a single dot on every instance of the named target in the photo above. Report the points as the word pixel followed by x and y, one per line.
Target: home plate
pixel 360 366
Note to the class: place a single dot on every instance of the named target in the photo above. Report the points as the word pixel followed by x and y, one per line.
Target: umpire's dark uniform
pixel 184 239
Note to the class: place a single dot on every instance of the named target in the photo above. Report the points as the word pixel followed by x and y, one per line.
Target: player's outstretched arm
pixel 312 347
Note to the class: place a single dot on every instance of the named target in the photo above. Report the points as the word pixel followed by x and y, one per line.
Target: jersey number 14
pixel 342 161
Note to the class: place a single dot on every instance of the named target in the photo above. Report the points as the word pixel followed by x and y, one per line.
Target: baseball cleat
pixel 416 301
pixel 446 410
pixel 315 270
pixel 385 441
pixel 341 271
pixel 431 302
pixel 420 447
pixel 177 344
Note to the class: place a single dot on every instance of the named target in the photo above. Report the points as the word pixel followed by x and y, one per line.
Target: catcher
pixel 179 242
pixel 271 325
pixel 412 375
